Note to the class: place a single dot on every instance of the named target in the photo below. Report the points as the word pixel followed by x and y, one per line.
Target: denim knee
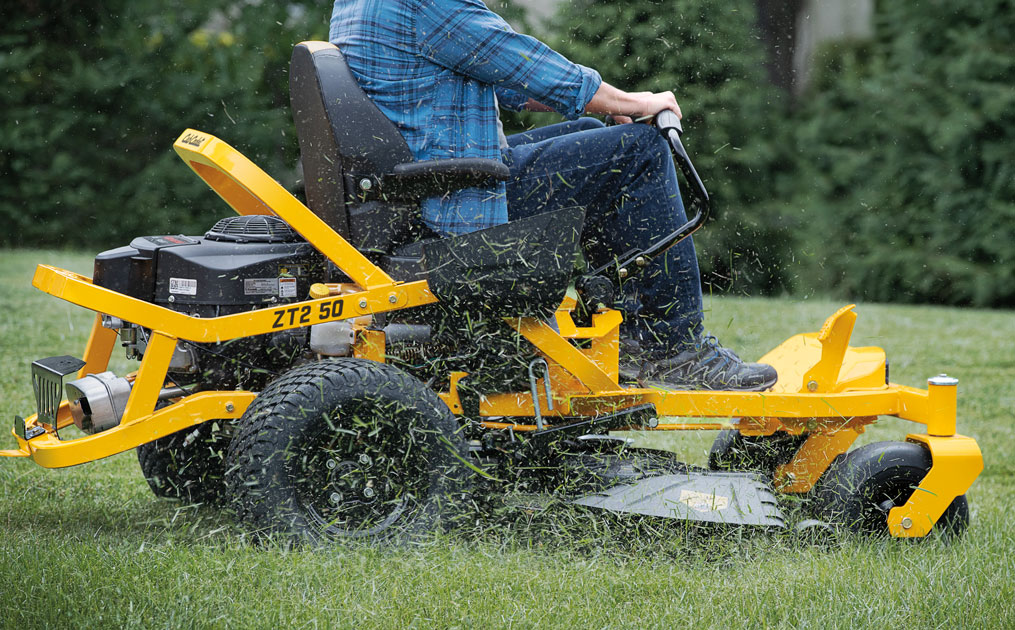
pixel 586 123
pixel 643 141
pixel 649 137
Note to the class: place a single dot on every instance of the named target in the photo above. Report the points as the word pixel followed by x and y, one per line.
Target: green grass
pixel 92 547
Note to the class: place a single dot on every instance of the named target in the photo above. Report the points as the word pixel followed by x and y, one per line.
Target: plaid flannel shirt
pixel 437 69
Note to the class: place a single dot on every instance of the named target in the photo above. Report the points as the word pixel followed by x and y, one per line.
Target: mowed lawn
pixel 91 546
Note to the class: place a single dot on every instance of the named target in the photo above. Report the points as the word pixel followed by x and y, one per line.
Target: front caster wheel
pixel 347 449
pixel 862 486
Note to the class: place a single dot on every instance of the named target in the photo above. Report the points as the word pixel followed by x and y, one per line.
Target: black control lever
pixel 668 124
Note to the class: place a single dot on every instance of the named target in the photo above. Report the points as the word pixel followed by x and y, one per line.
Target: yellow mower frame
pixel 826 388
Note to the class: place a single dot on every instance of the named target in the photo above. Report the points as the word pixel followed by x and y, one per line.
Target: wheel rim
pixel 359 484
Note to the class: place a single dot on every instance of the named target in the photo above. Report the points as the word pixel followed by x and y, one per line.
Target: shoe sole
pixel 757 388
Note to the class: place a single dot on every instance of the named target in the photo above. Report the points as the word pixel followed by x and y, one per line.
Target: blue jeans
pixel 625 179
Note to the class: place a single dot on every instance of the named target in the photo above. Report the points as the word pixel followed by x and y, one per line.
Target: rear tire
pixel 347 449
pixel 861 486
pixel 187 465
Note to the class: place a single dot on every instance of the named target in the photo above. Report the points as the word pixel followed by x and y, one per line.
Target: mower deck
pixel 705 497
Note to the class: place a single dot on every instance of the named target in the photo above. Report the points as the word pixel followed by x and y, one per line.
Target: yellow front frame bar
pixel 79 290
pixel 50 452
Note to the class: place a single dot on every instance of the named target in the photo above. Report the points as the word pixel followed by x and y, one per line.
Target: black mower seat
pixel 359 174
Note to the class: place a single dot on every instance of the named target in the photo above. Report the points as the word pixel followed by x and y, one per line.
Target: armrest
pixel 437 177
pixel 481 168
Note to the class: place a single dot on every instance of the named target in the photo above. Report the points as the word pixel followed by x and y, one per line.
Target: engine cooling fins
pixel 255 228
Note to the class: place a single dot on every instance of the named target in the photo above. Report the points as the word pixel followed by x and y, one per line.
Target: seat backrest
pixel 343 138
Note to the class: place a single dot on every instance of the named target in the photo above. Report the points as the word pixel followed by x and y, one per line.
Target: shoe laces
pixel 709 342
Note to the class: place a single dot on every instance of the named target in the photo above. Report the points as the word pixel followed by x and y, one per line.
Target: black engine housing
pixel 218 274
pixel 242 263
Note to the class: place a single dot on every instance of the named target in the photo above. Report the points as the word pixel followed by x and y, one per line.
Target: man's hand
pixel 625 106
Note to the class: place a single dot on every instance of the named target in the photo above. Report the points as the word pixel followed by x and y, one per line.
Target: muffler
pixel 97 401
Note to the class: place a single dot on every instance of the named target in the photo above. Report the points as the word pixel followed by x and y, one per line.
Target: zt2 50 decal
pixel 304 314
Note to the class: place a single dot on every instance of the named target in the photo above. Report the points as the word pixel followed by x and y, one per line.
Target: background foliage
pixel 98 92
pixel 891 179
pixel 906 150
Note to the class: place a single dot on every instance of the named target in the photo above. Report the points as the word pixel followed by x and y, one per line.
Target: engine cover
pixel 218 274
pixel 211 275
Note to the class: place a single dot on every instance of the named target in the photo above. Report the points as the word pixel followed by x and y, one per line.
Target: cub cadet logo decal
pixel 302 314
pixel 703 502
pixel 193 139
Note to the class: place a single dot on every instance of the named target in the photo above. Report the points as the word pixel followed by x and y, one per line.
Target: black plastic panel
pixel 112 269
pixel 519 268
pixel 230 274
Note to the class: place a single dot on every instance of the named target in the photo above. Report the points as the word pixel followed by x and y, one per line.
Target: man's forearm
pixel 610 100
pixel 616 102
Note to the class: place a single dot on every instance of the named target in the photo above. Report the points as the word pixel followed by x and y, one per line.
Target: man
pixel 439 68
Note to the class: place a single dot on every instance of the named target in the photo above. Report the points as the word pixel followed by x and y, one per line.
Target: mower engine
pixel 242 263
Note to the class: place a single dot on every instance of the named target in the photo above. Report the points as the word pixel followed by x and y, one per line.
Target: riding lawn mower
pixel 333 371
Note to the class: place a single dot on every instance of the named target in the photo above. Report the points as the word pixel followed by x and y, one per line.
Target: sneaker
pixel 632 356
pixel 707 366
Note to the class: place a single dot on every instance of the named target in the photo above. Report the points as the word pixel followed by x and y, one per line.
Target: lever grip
pixel 669 125
pixel 668 119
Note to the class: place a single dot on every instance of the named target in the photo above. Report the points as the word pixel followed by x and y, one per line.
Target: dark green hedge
pixel 906 163
pixel 98 92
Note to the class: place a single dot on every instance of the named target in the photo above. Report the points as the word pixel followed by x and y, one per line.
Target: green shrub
pixel 98 92
pixel 906 147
